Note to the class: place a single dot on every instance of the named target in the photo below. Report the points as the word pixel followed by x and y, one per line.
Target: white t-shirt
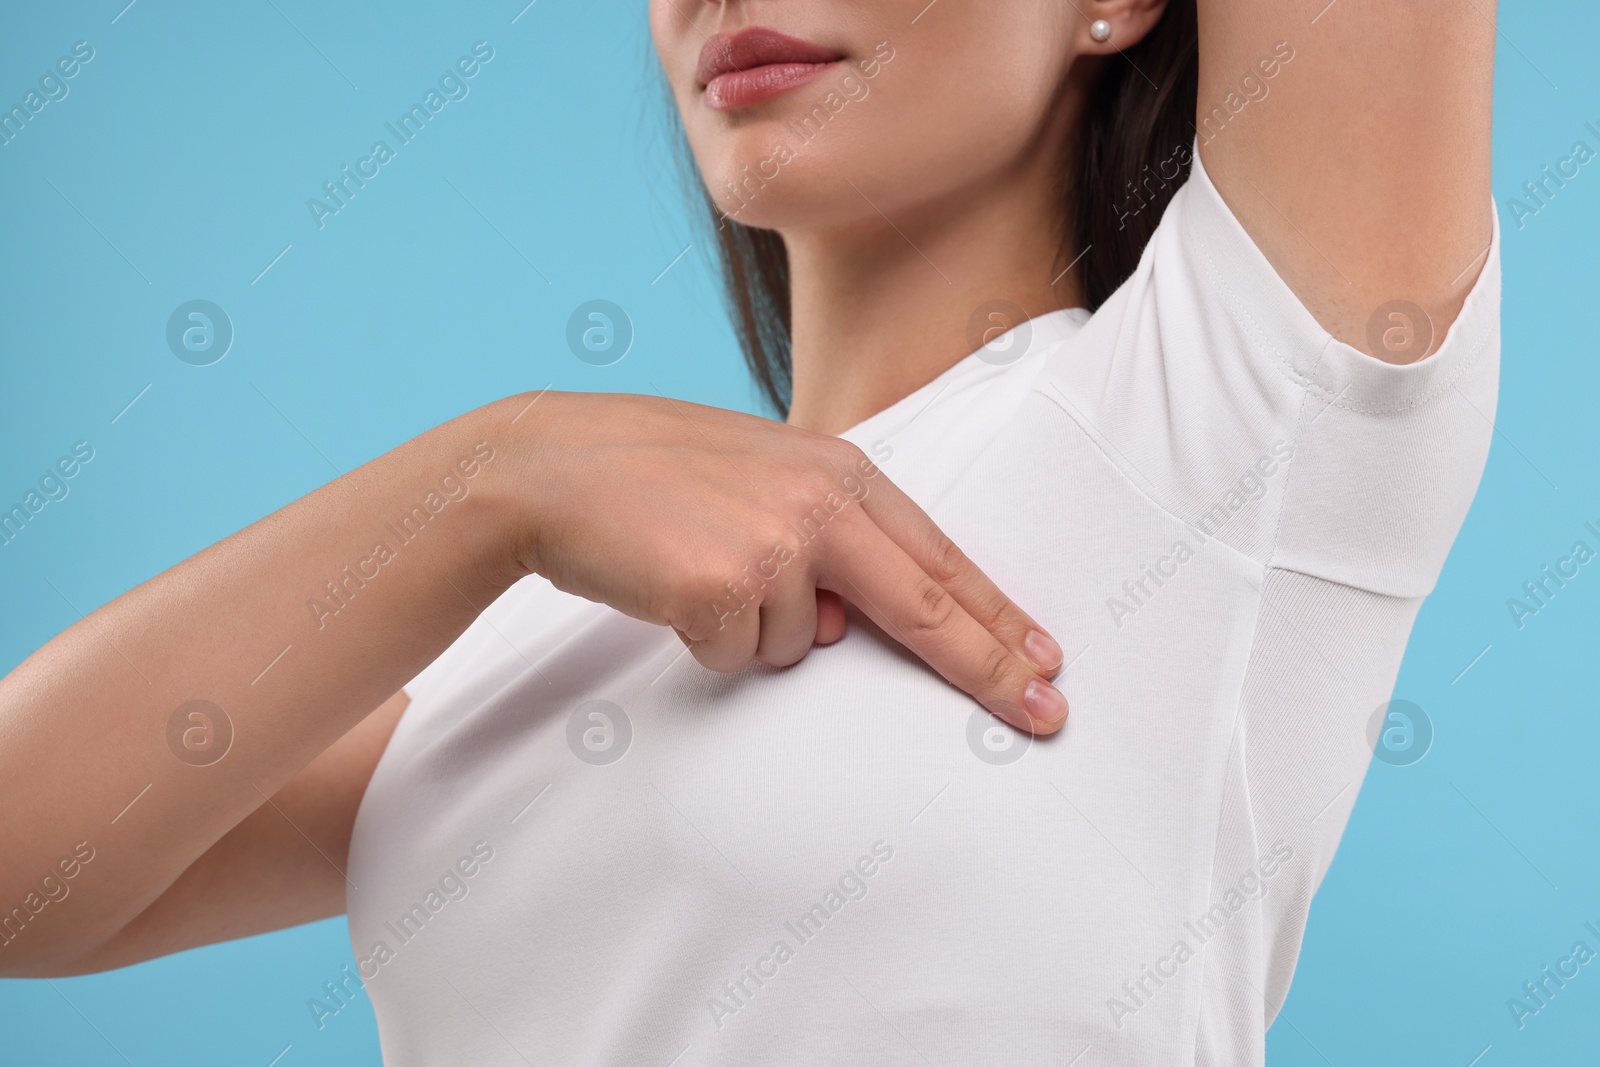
pixel 581 847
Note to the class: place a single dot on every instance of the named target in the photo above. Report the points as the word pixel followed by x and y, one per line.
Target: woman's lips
pixel 746 88
pixel 757 64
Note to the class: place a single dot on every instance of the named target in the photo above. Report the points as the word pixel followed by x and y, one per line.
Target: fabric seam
pixel 1238 708
pixel 1148 495
pixel 1241 315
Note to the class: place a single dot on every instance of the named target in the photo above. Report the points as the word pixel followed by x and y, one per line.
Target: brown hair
pixel 1132 153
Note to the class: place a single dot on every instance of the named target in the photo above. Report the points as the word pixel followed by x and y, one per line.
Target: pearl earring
pixel 1100 30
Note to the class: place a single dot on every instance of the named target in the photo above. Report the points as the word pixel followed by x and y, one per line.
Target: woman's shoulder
pixel 1206 360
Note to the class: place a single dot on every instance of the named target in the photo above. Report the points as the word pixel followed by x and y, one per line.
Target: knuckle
pixel 806 502
pixel 934 607
pixel 946 561
pixel 769 544
pixel 695 618
pixel 996 670
pixel 699 588
pixel 702 603
pixel 996 614
pixel 847 454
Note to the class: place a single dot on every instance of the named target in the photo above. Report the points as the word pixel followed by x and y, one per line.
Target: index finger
pixel 865 566
pixel 909 527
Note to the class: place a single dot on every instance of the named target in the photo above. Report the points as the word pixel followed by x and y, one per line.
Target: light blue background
pixel 178 167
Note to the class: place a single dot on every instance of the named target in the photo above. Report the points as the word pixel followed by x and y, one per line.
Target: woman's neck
pixel 883 307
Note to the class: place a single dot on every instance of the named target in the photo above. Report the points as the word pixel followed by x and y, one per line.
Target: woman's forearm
pixel 149 729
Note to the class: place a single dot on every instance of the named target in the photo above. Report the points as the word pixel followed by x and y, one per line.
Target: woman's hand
pixel 740 532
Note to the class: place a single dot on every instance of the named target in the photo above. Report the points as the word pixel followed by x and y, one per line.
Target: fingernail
pixel 1044 702
pixel 1045 653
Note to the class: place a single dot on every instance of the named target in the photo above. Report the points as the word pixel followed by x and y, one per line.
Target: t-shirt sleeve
pixel 1208 383
pixel 1212 389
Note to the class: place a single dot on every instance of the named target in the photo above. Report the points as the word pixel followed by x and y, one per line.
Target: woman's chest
pixel 720 848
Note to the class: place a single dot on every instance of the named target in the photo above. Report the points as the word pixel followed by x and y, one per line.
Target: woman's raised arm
pixel 1351 138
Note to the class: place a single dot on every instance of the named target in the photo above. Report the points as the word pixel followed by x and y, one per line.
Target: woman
pixel 1222 462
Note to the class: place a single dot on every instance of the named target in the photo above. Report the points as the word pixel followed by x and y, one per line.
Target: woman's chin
pixel 772 209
